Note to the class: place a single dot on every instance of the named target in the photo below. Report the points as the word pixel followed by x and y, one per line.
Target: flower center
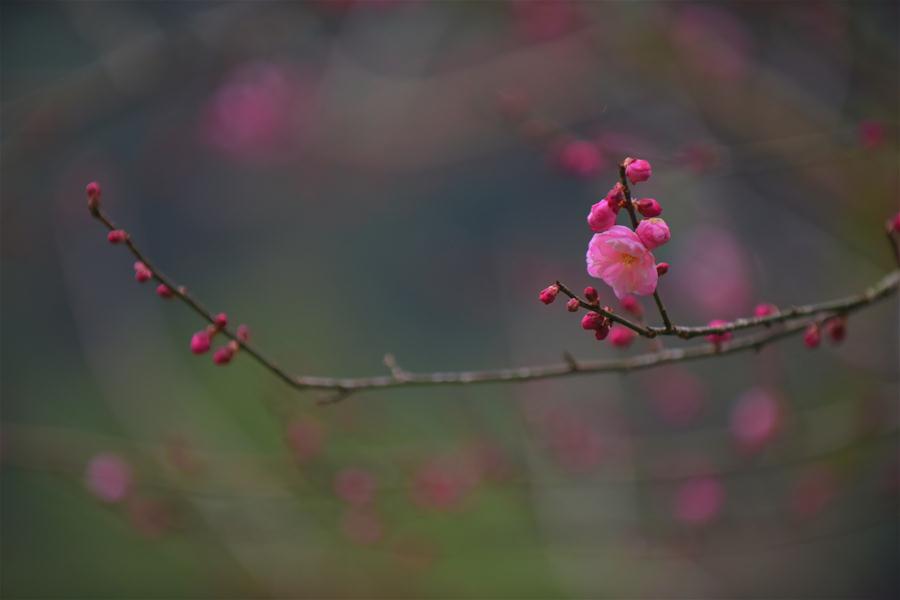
pixel 628 260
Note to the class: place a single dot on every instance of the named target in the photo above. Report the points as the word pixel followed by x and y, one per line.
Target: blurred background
pixel 355 178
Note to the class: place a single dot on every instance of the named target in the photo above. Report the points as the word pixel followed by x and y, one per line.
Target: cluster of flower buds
pixel 201 342
pixel 619 336
pixel 835 328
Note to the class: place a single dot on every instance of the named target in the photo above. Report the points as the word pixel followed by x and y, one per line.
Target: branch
pixel 340 388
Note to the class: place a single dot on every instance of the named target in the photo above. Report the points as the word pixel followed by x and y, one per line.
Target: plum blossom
pixel 755 419
pixel 602 216
pixel 619 258
pixel 654 232
pixel 699 500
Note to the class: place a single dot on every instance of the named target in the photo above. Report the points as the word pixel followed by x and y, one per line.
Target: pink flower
pixel 116 236
pixel 765 309
pixel 621 337
pixel 223 355
pixel 719 338
pixel 440 487
pixel 895 223
pixel 755 418
pixel 163 291
pixel 653 232
pixel 355 486
pixel 243 333
pixel 548 294
pixel 836 329
pixel 593 320
pixel 631 304
pixel 590 294
pixel 602 216
pixel 662 268
pixel 812 337
pixel 221 320
pixel 200 342
pixel 648 207
pixel 699 500
pixel 637 170
pixel 572 305
pixel 581 158
pixel 619 258
pixel 141 272
pixel 93 195
pixel 616 196
pixel 108 477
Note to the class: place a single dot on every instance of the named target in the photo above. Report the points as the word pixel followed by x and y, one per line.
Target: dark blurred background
pixel 354 178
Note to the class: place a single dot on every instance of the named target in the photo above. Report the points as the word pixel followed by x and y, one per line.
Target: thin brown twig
pixel 340 388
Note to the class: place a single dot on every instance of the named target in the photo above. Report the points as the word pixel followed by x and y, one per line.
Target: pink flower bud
pixel 616 196
pixel 590 294
pixel 141 272
pixel 200 342
pixel 221 321
pixel 572 305
pixel 243 333
pixel 895 223
pixel 653 232
pixel 621 337
pixel 601 332
pixel 648 207
pixel 637 170
pixel 93 195
pixel 548 294
pixel 593 320
pixel 719 338
pixel 601 217
pixel 836 329
pixel 223 355
pixel 812 337
pixel 765 309
pixel 116 236
pixel 662 268
pixel 163 291
pixel 581 158
pixel 631 304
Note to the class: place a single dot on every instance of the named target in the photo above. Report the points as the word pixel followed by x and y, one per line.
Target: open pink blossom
pixel 602 216
pixel 619 258
pixel 108 477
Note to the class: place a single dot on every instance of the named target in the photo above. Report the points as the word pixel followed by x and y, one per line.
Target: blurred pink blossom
pixel 580 158
pixel 306 437
pixel 713 272
pixel 151 517
pixel 441 485
pixel 699 500
pixel 355 486
pixel 108 477
pixel 259 112
pixel 755 418
pixel 574 444
pixel 872 134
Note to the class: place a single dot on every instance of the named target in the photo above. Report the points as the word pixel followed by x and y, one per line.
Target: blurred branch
pixel 780 328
